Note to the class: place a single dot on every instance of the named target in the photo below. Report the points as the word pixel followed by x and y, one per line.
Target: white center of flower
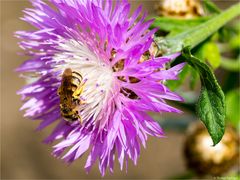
pixel 98 76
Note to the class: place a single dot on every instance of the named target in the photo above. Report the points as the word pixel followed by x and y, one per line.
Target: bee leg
pixel 78 117
pixel 77 93
pixel 79 101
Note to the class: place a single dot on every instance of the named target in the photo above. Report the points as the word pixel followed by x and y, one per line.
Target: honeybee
pixel 71 88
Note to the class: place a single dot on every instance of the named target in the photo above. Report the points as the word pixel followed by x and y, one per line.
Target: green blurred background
pixel 23 156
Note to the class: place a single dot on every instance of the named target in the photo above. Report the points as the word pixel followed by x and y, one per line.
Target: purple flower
pixel 104 44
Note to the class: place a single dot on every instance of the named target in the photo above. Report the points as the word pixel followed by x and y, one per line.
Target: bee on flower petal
pixel 113 78
pixel 71 88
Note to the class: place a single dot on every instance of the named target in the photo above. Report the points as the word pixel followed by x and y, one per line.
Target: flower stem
pixel 198 34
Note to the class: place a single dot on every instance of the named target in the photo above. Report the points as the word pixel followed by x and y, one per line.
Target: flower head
pixel 120 80
pixel 184 9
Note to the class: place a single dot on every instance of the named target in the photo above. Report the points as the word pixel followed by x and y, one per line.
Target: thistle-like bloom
pixel 122 79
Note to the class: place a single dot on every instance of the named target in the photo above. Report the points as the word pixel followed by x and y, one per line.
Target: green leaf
pixel 211 7
pixel 233 107
pixel 211 104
